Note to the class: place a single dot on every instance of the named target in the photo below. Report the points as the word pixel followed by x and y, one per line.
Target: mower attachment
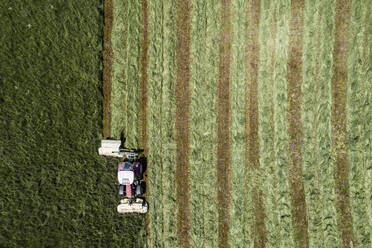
pixel 111 148
pixel 137 206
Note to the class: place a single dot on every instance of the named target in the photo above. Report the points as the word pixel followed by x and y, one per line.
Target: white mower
pixel 130 174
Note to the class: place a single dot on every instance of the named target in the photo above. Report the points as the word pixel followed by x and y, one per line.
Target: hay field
pixel 256 119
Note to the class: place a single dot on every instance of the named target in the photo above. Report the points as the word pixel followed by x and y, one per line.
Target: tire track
pixel 182 92
pixel 223 124
pixel 295 126
pixel 107 68
pixel 338 121
pixel 253 16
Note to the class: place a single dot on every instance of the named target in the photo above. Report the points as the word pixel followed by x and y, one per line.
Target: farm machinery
pixel 130 173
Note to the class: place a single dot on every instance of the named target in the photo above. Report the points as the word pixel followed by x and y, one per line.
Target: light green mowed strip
pixel 368 96
pixel 323 128
pixel 357 113
pixel 133 73
pixel 281 136
pixel 204 68
pixel 310 99
pixel 119 45
pixel 241 206
pixel 267 176
pixel 154 116
pixel 167 137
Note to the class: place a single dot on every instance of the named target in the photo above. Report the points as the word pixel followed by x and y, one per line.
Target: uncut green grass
pixel 56 191
pixel 357 127
pixel 240 226
pixel 203 85
pixel 267 176
pixel 120 79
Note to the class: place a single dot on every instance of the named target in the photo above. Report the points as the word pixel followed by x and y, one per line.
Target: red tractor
pixel 130 173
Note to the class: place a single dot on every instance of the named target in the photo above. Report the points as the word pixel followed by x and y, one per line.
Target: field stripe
pixel 271 179
pixel 368 96
pixel 357 113
pixel 119 45
pixel 281 137
pixel 107 68
pixel 268 183
pixel 323 120
pixel 144 77
pixel 310 104
pixel 295 125
pixel 252 146
pixel 182 121
pixel 240 204
pixel 155 144
pixel 167 137
pixel 338 121
pixel 224 123
pixel 203 219
pixel 144 92
pixel 133 73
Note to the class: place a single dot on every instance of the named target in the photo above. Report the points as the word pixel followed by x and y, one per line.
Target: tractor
pixel 130 173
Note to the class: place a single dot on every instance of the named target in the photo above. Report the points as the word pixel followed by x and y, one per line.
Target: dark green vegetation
pixel 55 190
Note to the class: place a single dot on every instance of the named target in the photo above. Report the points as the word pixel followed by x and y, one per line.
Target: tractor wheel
pixel 139 190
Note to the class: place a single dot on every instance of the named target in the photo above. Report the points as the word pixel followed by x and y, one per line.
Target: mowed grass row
pixel 126 46
pixel 132 79
pixel 205 30
pixel 161 129
pixel 167 138
pixel 272 176
pixel 241 208
pixel 311 99
pixel 358 114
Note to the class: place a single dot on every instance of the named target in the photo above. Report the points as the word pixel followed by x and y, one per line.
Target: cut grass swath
pixel 120 36
pixel 266 179
pixel 203 219
pixel 323 129
pixel 357 113
pixel 240 203
pixel 281 137
pixel 133 73
pixel 310 104
pixel 167 127
pixel 368 96
pixel 155 144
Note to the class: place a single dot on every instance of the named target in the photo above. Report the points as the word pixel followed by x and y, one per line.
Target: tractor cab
pixel 125 173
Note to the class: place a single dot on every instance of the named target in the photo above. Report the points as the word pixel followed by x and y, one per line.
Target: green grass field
pixel 57 192
pixel 55 189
